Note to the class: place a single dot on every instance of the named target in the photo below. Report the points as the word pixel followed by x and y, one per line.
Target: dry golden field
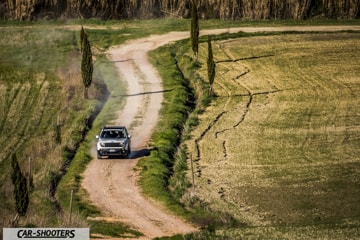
pixel 280 144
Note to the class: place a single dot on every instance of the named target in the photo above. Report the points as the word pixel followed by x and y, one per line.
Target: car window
pixel 121 134
pixel 113 134
pixel 104 134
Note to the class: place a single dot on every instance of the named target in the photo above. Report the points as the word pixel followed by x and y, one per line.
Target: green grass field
pixel 280 144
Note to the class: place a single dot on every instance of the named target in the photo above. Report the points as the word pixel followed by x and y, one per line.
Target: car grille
pixel 113 144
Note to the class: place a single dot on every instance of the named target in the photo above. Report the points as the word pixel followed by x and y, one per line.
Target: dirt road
pixel 111 184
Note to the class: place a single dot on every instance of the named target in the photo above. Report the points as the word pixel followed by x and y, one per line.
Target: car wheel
pixel 99 156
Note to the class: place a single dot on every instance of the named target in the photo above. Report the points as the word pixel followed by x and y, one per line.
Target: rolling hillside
pixel 279 145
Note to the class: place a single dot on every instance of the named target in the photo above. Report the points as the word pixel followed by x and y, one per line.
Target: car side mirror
pixel 97 137
pixel 129 136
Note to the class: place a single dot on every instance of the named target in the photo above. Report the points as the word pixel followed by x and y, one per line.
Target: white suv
pixel 113 141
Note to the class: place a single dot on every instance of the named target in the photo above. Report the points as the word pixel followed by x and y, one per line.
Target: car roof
pixel 114 127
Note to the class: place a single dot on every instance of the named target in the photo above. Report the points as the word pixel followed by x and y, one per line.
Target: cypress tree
pixel 210 66
pixel 20 188
pixel 194 29
pixel 86 65
pixel 82 36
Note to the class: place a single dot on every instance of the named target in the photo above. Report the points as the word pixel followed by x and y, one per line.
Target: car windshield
pixel 112 134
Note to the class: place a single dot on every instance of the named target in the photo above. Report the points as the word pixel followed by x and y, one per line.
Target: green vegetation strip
pixel 164 171
pixel 157 169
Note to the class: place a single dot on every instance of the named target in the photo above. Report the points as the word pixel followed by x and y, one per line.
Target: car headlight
pixel 102 144
pixel 121 144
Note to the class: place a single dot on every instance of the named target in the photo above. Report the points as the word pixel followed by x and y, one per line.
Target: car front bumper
pixel 113 151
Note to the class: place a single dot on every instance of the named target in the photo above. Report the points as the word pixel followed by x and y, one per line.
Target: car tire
pixel 99 156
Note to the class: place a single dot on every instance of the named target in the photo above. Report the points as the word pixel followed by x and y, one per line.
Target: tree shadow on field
pixel 124 60
pixel 146 93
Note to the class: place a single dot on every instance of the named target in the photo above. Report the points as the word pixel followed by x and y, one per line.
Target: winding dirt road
pixel 112 184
